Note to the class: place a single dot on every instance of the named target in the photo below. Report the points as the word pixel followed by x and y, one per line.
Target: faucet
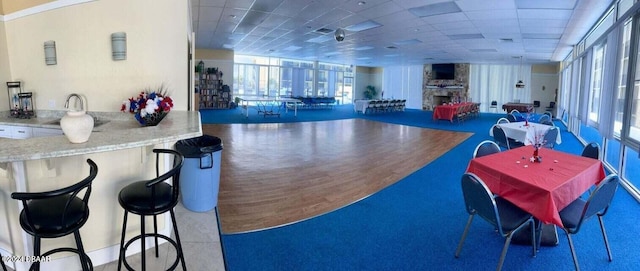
pixel 66 104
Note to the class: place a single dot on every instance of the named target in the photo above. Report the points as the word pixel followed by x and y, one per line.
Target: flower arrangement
pixel 528 115
pixel 150 107
pixel 537 142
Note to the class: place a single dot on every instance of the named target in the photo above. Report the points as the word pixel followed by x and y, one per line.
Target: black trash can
pixel 200 174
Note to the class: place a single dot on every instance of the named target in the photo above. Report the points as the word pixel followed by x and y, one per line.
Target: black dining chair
pixel 552 105
pixel 500 137
pixel 546 120
pixel 511 117
pixel 580 210
pixel 58 213
pixel 549 140
pixel 505 217
pixel 485 148
pixel 591 150
pixel 494 105
pixel 502 120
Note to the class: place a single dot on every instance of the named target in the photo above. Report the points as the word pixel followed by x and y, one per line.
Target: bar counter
pixel 121 148
pixel 121 131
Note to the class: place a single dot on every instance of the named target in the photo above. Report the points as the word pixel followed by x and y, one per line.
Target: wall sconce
pixel 119 45
pixel 50 52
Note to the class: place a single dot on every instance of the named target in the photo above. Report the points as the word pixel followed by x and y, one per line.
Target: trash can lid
pixel 195 147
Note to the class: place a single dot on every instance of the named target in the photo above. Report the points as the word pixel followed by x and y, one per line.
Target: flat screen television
pixel 443 71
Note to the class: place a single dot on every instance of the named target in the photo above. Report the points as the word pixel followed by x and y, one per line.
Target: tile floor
pixel 200 242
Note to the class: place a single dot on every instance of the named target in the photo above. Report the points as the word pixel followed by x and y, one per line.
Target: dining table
pixel 448 111
pixel 542 188
pixel 360 106
pixel 527 133
pixel 521 107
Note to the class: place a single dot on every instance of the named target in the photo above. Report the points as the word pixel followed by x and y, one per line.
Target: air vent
pixel 324 30
pixel 506 40
pixel 391 47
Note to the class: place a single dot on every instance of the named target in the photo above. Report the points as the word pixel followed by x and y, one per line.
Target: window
pixel 621 89
pixel 276 77
pixel 596 82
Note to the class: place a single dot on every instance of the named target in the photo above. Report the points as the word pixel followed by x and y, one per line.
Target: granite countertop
pixel 119 131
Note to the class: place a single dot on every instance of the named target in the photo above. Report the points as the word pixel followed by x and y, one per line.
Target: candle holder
pixel 20 103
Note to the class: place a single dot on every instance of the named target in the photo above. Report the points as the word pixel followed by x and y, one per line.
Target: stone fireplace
pixel 435 92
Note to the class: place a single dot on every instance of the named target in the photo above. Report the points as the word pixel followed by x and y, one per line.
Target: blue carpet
pixel 416 223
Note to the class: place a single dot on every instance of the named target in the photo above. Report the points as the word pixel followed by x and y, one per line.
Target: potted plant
pixel 370 93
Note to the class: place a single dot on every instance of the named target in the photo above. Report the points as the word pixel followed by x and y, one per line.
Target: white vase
pixel 77 126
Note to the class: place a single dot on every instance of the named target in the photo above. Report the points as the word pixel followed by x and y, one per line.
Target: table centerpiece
pixel 150 106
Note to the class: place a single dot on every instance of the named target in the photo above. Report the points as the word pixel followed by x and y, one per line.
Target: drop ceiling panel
pixel 547 4
pixel 536 29
pixel 452 18
pixel 209 13
pixel 383 9
pixel 500 14
pixel 213 3
pixel 542 14
pixel 474 5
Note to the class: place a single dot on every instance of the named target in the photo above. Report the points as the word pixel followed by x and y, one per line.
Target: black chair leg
pixel 36 252
pixel 155 232
pixel 142 245
pixel 179 244
pixel 122 252
pixel 4 267
pixel 83 256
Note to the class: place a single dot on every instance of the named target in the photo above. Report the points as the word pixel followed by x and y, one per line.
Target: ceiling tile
pixel 537 29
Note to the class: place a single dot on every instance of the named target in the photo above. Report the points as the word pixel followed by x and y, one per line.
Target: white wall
pixel 157 52
pixel 404 82
pixel 364 77
pixel 5 72
pixel 543 89
pixel 221 59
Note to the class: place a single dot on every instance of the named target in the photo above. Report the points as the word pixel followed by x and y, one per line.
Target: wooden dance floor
pixel 276 174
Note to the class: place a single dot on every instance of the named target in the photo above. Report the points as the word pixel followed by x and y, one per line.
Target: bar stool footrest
pixel 65 249
pixel 166 238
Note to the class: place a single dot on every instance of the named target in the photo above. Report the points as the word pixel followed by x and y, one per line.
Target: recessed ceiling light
pixel 407 42
pixel 362 48
pixel 361 3
pixel 363 26
pixel 435 9
pixel 233 16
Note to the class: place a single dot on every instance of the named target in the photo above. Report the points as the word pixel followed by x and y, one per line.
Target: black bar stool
pixel 151 198
pixel 58 213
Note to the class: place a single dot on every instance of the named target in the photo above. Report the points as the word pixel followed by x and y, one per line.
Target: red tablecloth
pixel 447 111
pixel 542 189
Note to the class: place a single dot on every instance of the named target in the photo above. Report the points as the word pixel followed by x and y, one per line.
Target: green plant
pixel 370 92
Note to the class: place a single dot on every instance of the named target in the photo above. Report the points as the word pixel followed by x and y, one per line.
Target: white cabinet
pixel 24 132
pixel 40 132
pixel 18 132
pixel 5 131
pixel 21 132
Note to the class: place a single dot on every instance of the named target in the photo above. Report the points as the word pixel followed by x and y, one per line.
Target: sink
pixel 96 123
